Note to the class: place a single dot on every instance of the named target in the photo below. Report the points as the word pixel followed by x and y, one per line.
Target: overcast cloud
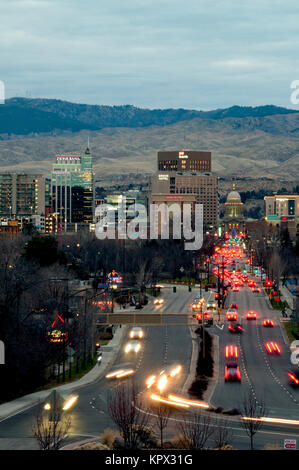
pixel 200 54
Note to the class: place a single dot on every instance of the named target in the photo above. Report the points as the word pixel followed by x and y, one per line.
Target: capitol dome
pixel 233 196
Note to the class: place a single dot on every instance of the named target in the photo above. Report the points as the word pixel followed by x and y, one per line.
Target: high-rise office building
pixel 184 177
pixel 22 194
pixel 282 210
pixel 73 190
pixel 184 160
pixel 282 206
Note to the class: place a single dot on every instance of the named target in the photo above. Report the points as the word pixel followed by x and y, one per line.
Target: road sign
pixel 290 443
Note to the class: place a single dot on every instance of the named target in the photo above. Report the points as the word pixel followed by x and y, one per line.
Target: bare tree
pixel 128 413
pixel 196 429
pixel 162 414
pixel 277 265
pixel 223 433
pixel 251 413
pixel 50 435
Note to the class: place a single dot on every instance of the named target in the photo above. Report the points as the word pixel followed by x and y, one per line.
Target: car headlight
pixel 128 348
pixel 162 382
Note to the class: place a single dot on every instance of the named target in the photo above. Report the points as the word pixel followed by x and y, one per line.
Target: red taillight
pixel 226 351
pixel 275 347
pixel 268 347
pixel 226 373
pixel 293 378
pixel 238 373
pixel 236 351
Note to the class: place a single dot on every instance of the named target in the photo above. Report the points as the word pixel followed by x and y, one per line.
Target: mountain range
pixel 260 141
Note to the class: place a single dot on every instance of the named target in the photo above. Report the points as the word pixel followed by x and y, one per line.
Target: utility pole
pixel 222 265
pixel 200 293
pixel 218 286
pixel 203 330
pixel 84 338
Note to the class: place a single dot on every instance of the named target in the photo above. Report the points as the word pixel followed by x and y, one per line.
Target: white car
pixel 132 346
pixel 136 332
pixel 212 304
pixel 159 301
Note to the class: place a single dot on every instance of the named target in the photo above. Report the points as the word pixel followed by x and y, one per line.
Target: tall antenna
pixel 88 142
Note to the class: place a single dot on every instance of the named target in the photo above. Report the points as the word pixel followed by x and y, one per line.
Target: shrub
pixel 146 436
pixel 272 447
pixel 199 386
pixel 92 446
pixel 226 447
pixel 232 412
pixel 118 444
pixel 219 409
pixel 180 442
pixel 108 436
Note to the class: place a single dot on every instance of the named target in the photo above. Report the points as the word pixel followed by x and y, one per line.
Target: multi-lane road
pixel 164 345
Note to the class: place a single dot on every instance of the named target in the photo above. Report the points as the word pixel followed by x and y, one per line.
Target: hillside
pixel 23 115
pixel 245 142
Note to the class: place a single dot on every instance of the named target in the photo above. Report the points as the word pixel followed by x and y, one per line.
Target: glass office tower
pixel 73 190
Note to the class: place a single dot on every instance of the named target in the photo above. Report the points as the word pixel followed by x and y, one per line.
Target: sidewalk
pixel 27 401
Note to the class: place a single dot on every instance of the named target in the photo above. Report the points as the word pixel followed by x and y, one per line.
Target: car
pixel 293 375
pixel 255 289
pixel 233 307
pixel 251 283
pixel 136 332
pixel 232 373
pixel 159 301
pixel 199 316
pixel 268 322
pixel 231 351
pixel 235 288
pixel 235 327
pixel 120 371
pixel 251 315
pixel 160 381
pixel 133 346
pixel 211 303
pixel 272 348
pixel 231 315
pixel 197 304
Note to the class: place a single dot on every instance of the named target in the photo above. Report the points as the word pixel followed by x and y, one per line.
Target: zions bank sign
pixel 2 353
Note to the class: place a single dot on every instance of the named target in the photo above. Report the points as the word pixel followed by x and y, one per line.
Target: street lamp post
pixel 203 329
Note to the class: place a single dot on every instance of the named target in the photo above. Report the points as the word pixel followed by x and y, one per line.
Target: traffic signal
pixel 268 283
pixel 216 296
